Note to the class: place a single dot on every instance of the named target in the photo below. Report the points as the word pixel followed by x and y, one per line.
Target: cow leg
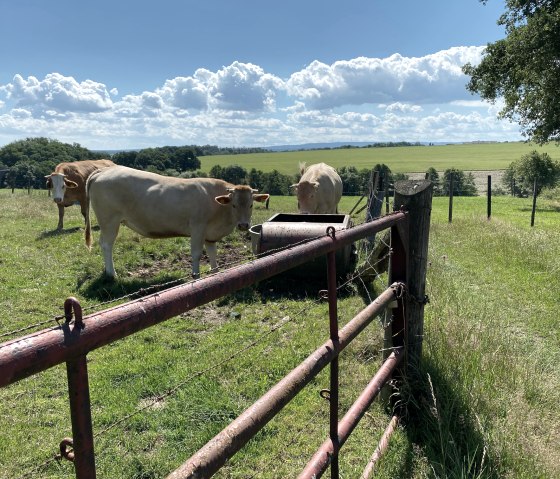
pixel 106 241
pixel 212 252
pixel 60 217
pixel 197 243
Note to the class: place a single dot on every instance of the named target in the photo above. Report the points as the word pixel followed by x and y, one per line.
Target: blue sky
pixel 135 74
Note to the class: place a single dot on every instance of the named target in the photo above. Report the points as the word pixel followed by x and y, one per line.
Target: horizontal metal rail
pixel 23 357
pixel 320 461
pixel 215 453
pixel 381 448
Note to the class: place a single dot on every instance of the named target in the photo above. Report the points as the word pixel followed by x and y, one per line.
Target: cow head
pixel 306 194
pixel 58 182
pixel 240 198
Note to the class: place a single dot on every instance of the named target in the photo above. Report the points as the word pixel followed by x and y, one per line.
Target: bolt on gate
pixel 405 298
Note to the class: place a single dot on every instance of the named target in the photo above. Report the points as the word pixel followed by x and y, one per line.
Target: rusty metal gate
pixel 72 341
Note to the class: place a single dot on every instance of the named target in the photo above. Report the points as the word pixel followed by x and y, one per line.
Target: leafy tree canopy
pixel 524 68
pixel 463 184
pixel 532 166
pixel 29 160
pixel 41 150
pixel 178 158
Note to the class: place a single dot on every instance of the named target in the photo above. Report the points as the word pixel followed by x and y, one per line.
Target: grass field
pixel 486 405
pixel 467 157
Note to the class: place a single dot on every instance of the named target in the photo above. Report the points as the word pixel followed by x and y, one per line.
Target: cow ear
pixel 294 185
pixel 70 183
pixel 224 199
pixel 261 198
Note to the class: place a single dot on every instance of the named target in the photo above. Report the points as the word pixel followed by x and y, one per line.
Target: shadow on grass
pixel 542 209
pixel 52 233
pixel 104 288
pixel 445 428
pixel 68 231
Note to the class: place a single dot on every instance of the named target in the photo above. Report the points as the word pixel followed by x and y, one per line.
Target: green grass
pixel 468 157
pixel 491 352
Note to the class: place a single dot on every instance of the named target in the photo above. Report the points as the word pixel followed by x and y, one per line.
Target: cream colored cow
pixel 155 206
pixel 319 190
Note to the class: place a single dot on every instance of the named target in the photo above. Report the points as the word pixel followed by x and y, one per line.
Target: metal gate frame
pixel 72 341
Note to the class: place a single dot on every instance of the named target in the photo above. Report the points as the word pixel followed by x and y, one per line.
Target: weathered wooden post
pixel 450 197
pixel 375 200
pixel 534 203
pixel 489 201
pixel 409 261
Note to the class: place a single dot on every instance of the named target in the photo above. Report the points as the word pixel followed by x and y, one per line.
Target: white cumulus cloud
pixel 435 78
pixel 59 93
pixel 237 87
pixel 362 99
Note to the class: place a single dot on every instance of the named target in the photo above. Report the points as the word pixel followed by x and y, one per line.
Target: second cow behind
pixel 68 182
pixel 155 206
pixel 319 190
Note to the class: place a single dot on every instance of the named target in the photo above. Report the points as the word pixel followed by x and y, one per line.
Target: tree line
pixel 25 163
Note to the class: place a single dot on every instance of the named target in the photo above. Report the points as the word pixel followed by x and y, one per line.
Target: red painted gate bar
pixel 214 454
pixel 23 357
pixel 328 450
pixel 71 342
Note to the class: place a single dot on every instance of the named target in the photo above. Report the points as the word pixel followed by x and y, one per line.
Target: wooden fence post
pixel 375 200
pixel 534 203
pixel 450 197
pixel 409 261
pixel 489 201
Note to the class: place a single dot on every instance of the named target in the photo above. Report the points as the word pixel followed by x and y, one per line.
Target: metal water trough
pixel 285 229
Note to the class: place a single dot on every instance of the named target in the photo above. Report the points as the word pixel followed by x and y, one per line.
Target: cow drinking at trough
pixel 155 206
pixel 68 184
pixel 319 189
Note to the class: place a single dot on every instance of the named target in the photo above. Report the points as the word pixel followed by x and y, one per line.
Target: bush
pixel 463 185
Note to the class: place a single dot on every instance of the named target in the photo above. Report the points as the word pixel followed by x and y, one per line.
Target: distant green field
pixel 467 157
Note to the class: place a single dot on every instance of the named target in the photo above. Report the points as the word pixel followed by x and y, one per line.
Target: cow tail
pixel 88 222
pixel 302 166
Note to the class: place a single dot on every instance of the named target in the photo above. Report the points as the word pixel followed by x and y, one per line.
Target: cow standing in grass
pixel 319 190
pixel 68 184
pixel 155 206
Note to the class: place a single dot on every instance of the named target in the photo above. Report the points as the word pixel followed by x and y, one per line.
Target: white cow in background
pixel 155 206
pixel 319 190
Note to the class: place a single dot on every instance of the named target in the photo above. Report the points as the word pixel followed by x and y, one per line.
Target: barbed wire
pixel 173 390
pixel 145 291
pixel 177 387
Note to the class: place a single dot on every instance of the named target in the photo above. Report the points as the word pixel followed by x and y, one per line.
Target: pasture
pixel 486 405
pixel 409 159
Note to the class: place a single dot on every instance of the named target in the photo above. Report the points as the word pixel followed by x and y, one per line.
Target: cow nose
pixel 57 200
pixel 243 226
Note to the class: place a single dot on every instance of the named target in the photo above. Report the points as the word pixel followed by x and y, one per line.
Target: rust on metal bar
pixel 73 309
pixel 80 415
pixel 320 461
pixel 333 379
pixel 381 448
pixel 64 451
pixel 25 356
pixel 224 445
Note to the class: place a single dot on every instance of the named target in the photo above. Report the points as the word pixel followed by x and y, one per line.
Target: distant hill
pixel 342 144
pixel 316 146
